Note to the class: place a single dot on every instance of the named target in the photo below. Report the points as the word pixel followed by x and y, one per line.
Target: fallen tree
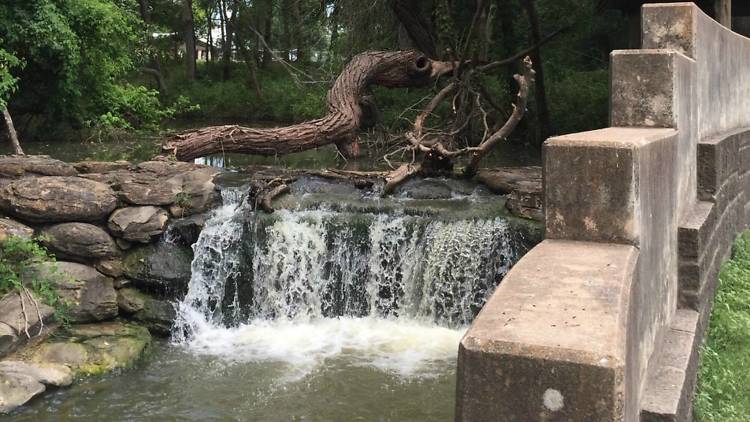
pixel 340 126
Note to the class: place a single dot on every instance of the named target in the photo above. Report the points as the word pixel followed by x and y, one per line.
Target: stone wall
pixel 104 223
pixel 603 320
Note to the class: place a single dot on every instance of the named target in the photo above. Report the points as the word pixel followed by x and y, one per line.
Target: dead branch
pixel 23 313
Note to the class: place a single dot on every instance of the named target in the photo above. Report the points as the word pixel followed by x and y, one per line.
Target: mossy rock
pixel 94 349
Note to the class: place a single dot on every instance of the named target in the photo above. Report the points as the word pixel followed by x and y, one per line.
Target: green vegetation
pixel 725 359
pixel 98 69
pixel 20 261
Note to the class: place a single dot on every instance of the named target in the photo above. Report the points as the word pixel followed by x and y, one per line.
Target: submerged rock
pixel 138 224
pixel 157 315
pixel 94 349
pixel 9 227
pixel 163 267
pixel 57 199
pixel 79 241
pixel 12 323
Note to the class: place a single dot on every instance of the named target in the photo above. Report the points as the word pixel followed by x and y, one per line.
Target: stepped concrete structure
pixel 602 321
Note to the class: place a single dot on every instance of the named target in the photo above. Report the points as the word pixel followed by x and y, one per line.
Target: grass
pixel 724 376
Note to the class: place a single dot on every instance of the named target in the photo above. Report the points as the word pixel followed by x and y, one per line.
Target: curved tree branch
pixel 340 126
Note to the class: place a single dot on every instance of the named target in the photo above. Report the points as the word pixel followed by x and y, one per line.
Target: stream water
pixel 333 308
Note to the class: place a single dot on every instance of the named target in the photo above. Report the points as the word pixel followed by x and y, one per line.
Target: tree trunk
pixel 413 20
pixel 267 32
pixel 154 68
pixel 540 94
pixel 209 28
pixel 229 40
pixel 188 34
pixel 298 31
pixel 340 126
pixel 11 131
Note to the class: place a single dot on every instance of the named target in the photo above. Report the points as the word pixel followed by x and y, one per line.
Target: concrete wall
pixel 602 321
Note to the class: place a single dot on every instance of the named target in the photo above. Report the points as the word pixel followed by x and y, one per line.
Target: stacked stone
pixel 104 223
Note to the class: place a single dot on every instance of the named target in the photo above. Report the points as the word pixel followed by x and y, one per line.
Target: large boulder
pixel 138 224
pixel 157 315
pixel 94 349
pixel 20 381
pixel 161 266
pixel 79 242
pixel 13 324
pixel 91 294
pixel 17 389
pixel 57 199
pixel 10 227
pixel 17 166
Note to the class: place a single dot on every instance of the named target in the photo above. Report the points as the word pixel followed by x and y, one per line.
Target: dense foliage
pixel 121 64
pixel 725 362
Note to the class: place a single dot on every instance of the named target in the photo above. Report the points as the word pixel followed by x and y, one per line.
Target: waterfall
pixel 299 286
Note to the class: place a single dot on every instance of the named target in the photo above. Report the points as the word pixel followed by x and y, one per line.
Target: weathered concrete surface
pixel 546 346
pixel 679 199
pixel 671 383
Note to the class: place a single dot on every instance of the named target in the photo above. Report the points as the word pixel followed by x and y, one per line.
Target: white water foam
pixel 396 298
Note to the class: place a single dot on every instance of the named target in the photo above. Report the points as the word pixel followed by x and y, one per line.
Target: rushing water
pixel 342 312
pixel 392 292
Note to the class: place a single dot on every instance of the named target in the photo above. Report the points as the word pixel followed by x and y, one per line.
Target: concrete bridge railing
pixel 602 321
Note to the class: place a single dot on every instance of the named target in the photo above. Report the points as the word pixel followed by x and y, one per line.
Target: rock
pixel 17 166
pixel 186 230
pixel 111 267
pixel 102 166
pixel 20 381
pixel 164 267
pixel 157 315
pixel 523 185
pixel 147 191
pixel 16 389
pixel 166 168
pixel 10 227
pixel 138 224
pixel 508 179
pixel 79 242
pixel 46 373
pixel 12 321
pixel 424 189
pixel 94 349
pixel 121 282
pixel 91 293
pixel 57 199
pixel 123 244
pixel 195 191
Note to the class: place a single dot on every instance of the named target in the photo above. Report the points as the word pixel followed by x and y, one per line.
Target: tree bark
pixel 11 131
pixel 154 69
pixel 267 32
pixel 413 20
pixel 340 126
pixel 188 34
pixel 540 94
pixel 229 40
pixel 298 32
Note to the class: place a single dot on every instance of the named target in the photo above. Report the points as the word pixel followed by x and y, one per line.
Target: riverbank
pixel 725 362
